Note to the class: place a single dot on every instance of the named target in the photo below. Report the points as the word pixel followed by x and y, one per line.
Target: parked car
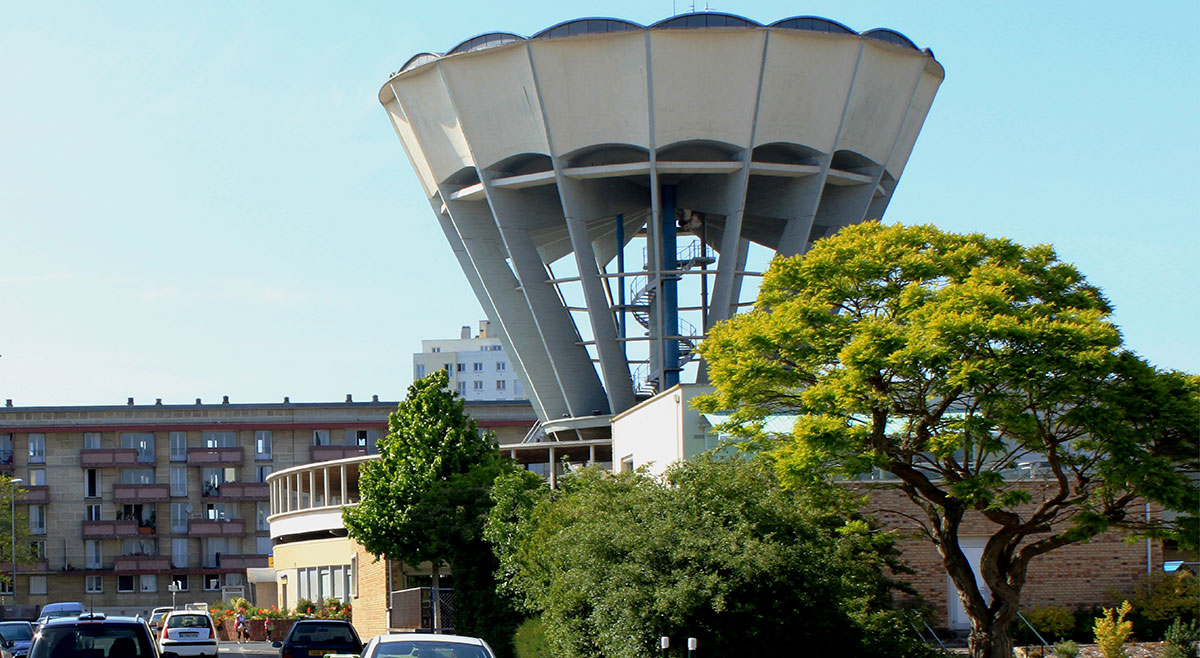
pixel 317 637
pixel 411 645
pixel 156 617
pixel 94 635
pixel 188 633
pixel 57 610
pixel 15 638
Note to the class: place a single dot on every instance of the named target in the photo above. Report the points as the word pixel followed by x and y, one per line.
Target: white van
pixel 56 610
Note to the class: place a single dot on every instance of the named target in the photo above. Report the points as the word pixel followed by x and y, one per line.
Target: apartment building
pixel 477 365
pixel 126 503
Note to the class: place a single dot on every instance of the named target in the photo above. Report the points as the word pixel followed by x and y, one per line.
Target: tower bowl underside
pixel 607 193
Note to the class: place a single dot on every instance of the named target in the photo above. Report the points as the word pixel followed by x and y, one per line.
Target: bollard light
pixel 664 642
pixel 691 646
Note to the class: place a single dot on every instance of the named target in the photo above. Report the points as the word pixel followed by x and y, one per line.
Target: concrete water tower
pixel 612 190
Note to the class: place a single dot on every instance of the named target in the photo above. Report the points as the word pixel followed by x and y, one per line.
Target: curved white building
pixel 609 189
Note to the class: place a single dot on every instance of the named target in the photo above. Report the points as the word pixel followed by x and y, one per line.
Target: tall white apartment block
pixel 479 368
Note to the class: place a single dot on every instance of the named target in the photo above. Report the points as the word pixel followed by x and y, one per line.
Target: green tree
pixel 426 499
pixel 7 522
pixel 716 551
pixel 947 360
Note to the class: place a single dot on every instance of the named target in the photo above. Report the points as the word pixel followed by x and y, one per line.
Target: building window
pixel 95 584
pixel 435 350
pixel 137 476
pixel 478 386
pixel 420 371
pixel 180 580
pixel 262 444
pixel 143 442
pixel 220 439
pixel 501 365
pixel 37 584
pixel 501 385
pixel 212 582
pixel 92 512
pixel 37 477
pixel 91 483
pixel 149 582
pixel 91 440
pixel 93 556
pixel 459 367
pixel 213 478
pixel 37 448
pixel 179 481
pixel 462 388
pixel 178 446
pixel 320 437
pixel 139 547
pixel 6 587
pixel 478 367
pixel 262 545
pixel 6 449
pixel 37 519
pixel 352 576
pixel 124 583
pixel 261 512
pixel 179 553
pixel 38 549
pixel 179 516
pixel 261 473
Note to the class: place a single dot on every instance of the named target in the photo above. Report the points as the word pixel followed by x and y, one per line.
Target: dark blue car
pixel 15 638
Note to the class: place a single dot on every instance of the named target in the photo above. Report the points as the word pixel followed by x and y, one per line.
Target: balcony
pixel 142 563
pixel 34 495
pixel 141 493
pixel 124 528
pixel 238 491
pixel 329 453
pixel 36 566
pixel 215 456
pixel 248 561
pixel 107 457
pixel 215 528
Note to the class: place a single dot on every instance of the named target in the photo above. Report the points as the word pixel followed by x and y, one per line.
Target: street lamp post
pixel 691 646
pixel 664 643
pixel 13 517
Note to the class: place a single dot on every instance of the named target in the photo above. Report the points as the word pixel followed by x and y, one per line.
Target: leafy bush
pixel 305 607
pixel 1066 649
pixel 1112 631
pixel 530 640
pixel 1053 622
pixel 1181 639
pixel 1159 599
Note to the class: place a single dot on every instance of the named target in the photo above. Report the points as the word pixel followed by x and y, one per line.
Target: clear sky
pixel 201 199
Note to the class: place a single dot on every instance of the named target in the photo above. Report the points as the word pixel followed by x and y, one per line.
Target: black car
pixel 94 635
pixel 317 637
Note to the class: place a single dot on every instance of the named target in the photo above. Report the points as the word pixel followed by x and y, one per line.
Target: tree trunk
pixel 990 643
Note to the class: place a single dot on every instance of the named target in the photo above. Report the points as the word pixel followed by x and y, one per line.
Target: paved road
pixel 248 649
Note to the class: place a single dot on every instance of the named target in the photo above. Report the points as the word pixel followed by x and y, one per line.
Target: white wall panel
pixel 497 103
pixel 882 89
pixel 434 121
pixel 705 84
pixel 922 101
pixel 803 104
pixel 416 157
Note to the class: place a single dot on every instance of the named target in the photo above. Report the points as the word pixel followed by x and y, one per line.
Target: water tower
pixel 611 190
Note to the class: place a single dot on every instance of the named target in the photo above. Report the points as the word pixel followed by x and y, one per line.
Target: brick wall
pixel 371 602
pixel 1072 576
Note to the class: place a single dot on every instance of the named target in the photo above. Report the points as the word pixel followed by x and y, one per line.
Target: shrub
pixel 305 607
pixel 1053 622
pixel 1180 639
pixel 530 639
pixel 1161 598
pixel 1112 631
pixel 1066 649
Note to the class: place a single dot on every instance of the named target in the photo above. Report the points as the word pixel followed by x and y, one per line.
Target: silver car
pixel 411 645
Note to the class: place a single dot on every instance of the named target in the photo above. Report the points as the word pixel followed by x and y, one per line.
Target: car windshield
pixel 430 649
pixel 323 634
pixel 188 621
pixel 16 632
pixel 93 641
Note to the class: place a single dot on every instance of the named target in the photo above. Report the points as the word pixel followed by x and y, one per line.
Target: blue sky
pixel 204 199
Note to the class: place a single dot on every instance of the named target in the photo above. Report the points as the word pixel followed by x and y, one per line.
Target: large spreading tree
pixel 947 361
pixel 426 500
pixel 716 550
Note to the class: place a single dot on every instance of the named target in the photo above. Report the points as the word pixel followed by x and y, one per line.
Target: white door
pixel 972 547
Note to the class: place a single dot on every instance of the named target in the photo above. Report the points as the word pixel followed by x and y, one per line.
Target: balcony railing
pixel 36 494
pixel 35 566
pixel 122 528
pixel 329 453
pixel 216 456
pixel 142 563
pixel 246 561
pixel 141 493
pixel 217 528
pixel 238 491
pixel 107 457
